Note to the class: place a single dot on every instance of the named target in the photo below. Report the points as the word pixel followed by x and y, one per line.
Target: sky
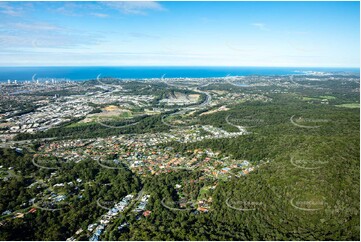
pixel 289 34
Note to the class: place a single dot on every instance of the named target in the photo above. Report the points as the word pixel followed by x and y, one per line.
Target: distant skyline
pixel 287 34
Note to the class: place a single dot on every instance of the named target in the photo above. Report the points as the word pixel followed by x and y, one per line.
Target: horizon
pixel 194 66
pixel 155 72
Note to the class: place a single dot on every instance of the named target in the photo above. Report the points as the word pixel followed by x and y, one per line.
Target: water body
pixel 86 73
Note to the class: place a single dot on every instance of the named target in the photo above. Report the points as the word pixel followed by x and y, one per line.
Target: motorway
pixel 205 103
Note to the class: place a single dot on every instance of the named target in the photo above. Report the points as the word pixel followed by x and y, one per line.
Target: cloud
pixel 70 9
pixel 42 35
pixel 260 26
pixel 35 26
pixel 74 9
pixel 100 15
pixel 5 8
pixel 143 35
pixel 7 41
pixel 138 8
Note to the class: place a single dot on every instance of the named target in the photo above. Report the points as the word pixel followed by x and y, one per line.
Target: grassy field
pixel 102 117
pixel 203 193
pixel 310 99
pixel 320 98
pixel 349 105
pixel 328 97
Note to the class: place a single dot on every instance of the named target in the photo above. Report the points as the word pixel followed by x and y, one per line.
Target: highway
pixel 205 103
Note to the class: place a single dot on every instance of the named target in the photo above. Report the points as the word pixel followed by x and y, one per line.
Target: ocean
pixel 86 73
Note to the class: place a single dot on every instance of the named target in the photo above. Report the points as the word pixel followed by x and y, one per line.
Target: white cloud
pixel 41 35
pixel 143 35
pixel 134 7
pixel 100 15
pixel 5 8
pixel 73 9
pixel 260 26
pixel 35 26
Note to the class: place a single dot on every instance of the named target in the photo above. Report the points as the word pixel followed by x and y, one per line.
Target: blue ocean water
pixel 86 73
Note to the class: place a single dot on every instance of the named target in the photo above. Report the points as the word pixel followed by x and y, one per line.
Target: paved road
pixel 175 209
pixel 205 103
pixel 240 128
pixel 111 227
pixel 21 142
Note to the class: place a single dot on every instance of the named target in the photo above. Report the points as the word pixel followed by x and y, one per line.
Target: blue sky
pixel 322 34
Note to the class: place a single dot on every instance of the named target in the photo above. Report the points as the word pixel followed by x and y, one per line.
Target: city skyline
pixel 289 34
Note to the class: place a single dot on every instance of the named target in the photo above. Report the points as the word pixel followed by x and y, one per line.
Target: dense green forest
pixel 81 208
pixel 145 124
pixel 318 200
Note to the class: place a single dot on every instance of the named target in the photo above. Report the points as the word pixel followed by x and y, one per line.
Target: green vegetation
pixel 280 189
pixel 305 184
pixel 349 105
pixel 81 208
pixel 328 97
pixel 144 124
